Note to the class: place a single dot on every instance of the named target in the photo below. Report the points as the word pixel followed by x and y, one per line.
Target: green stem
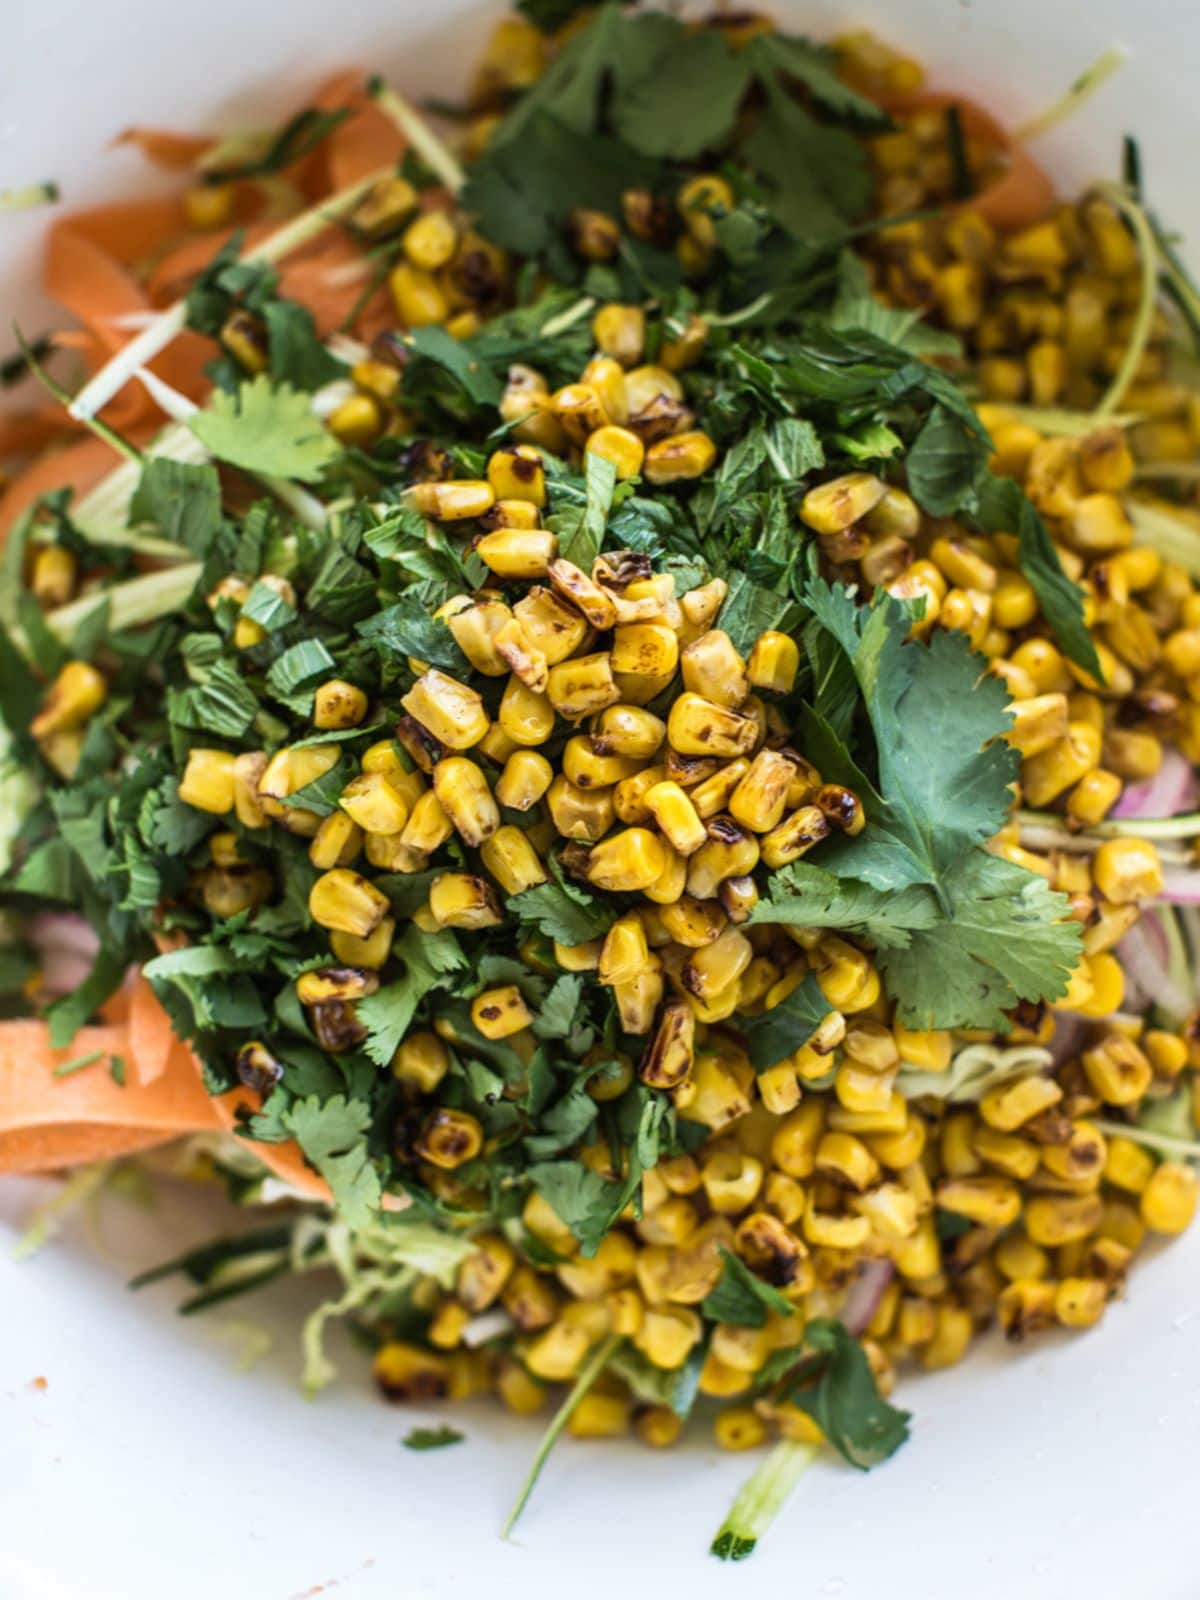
pixel 1163 1143
pixel 52 387
pixel 761 1499
pixel 137 601
pixel 27 197
pixel 589 1372
pixel 1085 85
pixel 1121 200
pixel 436 155
pixel 1185 826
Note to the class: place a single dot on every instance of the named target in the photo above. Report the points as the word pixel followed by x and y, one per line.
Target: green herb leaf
pixel 431 1438
pixel 181 499
pixel 332 1134
pixel 562 911
pixel 408 629
pixel 296 353
pixel 784 1028
pixel 581 543
pixel 676 92
pixel 266 429
pixel 428 958
pixel 742 1297
pixel 456 356
pixel 838 1390
pixel 943 463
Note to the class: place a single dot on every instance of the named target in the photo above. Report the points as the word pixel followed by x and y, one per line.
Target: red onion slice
pixel 1147 966
pixel 1172 790
pixel 865 1293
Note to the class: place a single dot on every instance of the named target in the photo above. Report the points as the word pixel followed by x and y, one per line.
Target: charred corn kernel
pixel 512 860
pixel 711 969
pixel 628 731
pixel 1026 1306
pixel 346 902
pixel 408 1372
pixel 526 715
pixel 847 1161
pixel 372 951
pixel 794 1143
pixel 890 1209
pixel 554 626
pixel 683 350
pixel 371 801
pixel 1094 796
pixel 962 565
pixel 388 203
pixel 698 726
pixel 626 862
pixel 459 900
pixel 1133 755
pixel 244 336
pixel 290 769
pixel 717 1091
pixel 454 501
pixel 678 458
pixel 731 1180
pixel 835 506
pixel 731 852
pixel 1108 986
pixel 957 1145
pixel 1045 775
pixel 990 1202
pixel 699 201
pixel 1053 1220
pixel 739 1428
pixel 248 769
pixel 76 694
pixel 466 799
pixel 620 332
pixel 583 814
pixel 336 842
pixel 675 815
pixel 644 649
pixel 208 781
pixel 658 1426
pixel 417 296
pixel 450 710
pixel 428 827
pixel 557 1353
pixel 498 1013
pixel 1018 1257
pixel 1013 1156
pixel 638 999
pixel 607 378
pixel 54 575
pixel 618 445
pixel 579 410
pixel 430 241
pixel 518 553
pixel 629 796
pixel 1080 1158
pixel 759 799
pixel 624 952
pixel 693 923
pixel 1010 1106
pixel 930 1049
pixel 711 667
pixel 449 1138
pixel 794 836
pixel 1117 1070
pixel 1126 870
pixel 773 663
pixel 580 592
pixel 701 606
pixel 338 704
pixel 738 897
pixel 860 1089
pixel 515 472
pixel 584 767
pixel 581 686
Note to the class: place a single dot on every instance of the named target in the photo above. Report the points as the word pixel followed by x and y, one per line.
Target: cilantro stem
pixel 1121 200
pixel 1170 532
pixel 109 435
pixel 66 1068
pixel 761 1499
pixel 566 319
pixel 433 151
pixel 1163 1143
pixel 1084 86
pixel 588 1374
pixel 157 335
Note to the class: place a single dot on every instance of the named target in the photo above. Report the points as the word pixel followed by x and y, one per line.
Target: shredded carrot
pixel 151 1039
pixel 176 152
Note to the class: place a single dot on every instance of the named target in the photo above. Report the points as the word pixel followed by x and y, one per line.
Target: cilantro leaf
pixel 581 529
pixel 806 896
pixel 676 92
pixel 556 1015
pixel 675 1387
pixel 818 175
pixel 457 356
pixel 784 1028
pixel 297 355
pixel 223 704
pixel 268 429
pixel 562 911
pixel 838 1390
pixel 68 1014
pixel 742 1297
pixel 920 699
pixel 854 306
pixel 408 629
pixel 428 958
pixel 586 1202
pixel 1009 937
pixel 943 463
pixel 332 1134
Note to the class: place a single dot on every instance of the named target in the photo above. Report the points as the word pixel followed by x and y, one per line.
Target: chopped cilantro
pixel 431 1438
pixel 331 1134
pixel 266 428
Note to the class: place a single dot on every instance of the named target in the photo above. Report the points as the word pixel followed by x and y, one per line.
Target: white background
pixel 146 1469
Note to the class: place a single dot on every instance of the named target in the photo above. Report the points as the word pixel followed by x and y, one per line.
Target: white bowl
pixel 145 1468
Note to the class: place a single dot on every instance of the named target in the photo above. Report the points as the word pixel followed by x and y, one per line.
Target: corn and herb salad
pixel 646 756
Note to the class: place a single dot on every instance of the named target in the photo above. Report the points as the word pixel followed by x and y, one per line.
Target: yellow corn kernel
pixel 581 686
pixel 667 1335
pixel 583 814
pixel 1168 1052
pixel 847 1161
pixel 76 694
pixel 675 815
pixel 518 553
pixel 371 952
pixel 1015 1157
pixel 357 421
pixel 731 852
pixel 417 296
pixel 338 704
pixel 1117 1070
pixel 208 781
pixel 758 801
pixel 1094 796
pixel 697 726
pixel 1013 1104
pixel 773 663
pixel 624 952
pixel 713 668
pixel 1168 1202
pixel 450 710
pixel 835 506
pixel 620 332
pixel 371 801
pixel 618 445
pixel 497 1013
pixel 1127 870
pixel 466 799
pixel 711 970
pixel 679 458
pixel 990 1202
pixel 1045 775
pixel 512 860
pixel 1053 1220
pixel 931 1050
pixel 644 649
pixel 626 862
pixel 248 769
pixel 459 900
pixel 347 902
pixel 336 842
